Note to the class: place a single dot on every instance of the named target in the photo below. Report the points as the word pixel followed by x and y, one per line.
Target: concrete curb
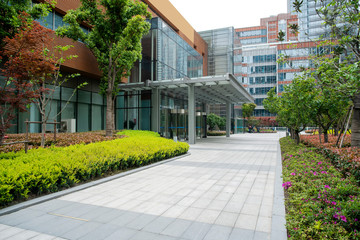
pixel 278 229
pixel 51 196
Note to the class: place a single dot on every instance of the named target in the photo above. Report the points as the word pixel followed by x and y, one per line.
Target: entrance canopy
pixel 223 89
pixel 211 90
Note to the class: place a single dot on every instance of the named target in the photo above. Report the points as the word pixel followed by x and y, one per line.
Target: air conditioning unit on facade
pixel 68 125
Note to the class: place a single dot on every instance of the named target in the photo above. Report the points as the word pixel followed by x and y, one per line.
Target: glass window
pixel 83 117
pixel 96 119
pixel 68 110
pixel 47 21
pixel 84 96
pixel 68 94
pixel 58 21
pixel 97 98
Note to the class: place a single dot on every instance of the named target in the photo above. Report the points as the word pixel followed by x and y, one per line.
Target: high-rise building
pixel 256 51
pixel 311 26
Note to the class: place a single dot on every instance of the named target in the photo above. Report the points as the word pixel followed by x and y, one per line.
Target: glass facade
pixel 220 50
pixel 68 103
pixel 165 56
pixel 310 25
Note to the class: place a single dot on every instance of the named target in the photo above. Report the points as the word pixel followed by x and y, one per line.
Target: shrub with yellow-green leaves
pixel 45 170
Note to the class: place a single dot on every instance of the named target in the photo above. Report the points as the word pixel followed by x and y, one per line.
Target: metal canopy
pixel 212 90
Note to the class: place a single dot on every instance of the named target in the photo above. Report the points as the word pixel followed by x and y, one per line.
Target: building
pixel 168 91
pixel 311 26
pixel 256 51
pixel 220 58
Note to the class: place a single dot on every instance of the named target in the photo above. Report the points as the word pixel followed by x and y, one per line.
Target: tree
pixel 248 109
pixel 342 17
pixel 35 63
pixel 214 120
pixel 117 27
pixel 10 10
pixel 330 103
pixel 17 91
pixel 292 108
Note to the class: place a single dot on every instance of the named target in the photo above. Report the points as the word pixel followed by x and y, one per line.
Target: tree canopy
pixel 117 27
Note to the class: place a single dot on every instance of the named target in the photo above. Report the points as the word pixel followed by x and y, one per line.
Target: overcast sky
pixel 211 14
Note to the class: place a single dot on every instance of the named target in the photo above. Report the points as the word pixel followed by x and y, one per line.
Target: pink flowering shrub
pixel 320 202
pixel 347 158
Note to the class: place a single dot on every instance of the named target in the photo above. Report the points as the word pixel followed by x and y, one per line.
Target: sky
pixel 210 14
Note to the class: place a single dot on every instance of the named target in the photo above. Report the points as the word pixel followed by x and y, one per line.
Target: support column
pixel 228 119
pixel 155 110
pixel 191 114
pixel 235 122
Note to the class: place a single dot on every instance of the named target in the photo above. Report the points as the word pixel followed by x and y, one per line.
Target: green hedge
pixel 320 203
pixel 216 133
pixel 46 170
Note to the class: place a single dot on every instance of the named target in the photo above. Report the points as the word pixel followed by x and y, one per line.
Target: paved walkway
pixel 228 188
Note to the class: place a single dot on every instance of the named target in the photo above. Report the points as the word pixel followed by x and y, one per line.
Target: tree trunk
pixel 320 134
pixel 297 137
pixel 355 123
pixel 43 130
pixel 326 137
pixel 2 135
pixel 109 114
pixel 113 114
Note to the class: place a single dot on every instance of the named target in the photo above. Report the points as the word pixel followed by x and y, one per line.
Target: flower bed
pixel 320 203
pixel 62 140
pixel 51 169
pixel 346 159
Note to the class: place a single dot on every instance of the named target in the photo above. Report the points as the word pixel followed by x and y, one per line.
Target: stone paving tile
pixel 246 222
pixel 196 231
pixel 158 225
pixel 227 219
pixel 10 232
pixel 241 234
pixel 176 228
pixel 218 232
pixel 191 213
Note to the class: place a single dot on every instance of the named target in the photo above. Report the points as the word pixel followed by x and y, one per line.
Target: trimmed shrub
pixel 320 203
pixel 45 170
pixel 216 133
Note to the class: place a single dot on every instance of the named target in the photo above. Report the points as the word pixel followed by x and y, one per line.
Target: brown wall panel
pixel 85 62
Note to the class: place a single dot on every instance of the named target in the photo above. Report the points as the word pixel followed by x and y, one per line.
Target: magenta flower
pixel 319 163
pixel 343 218
pixel 293 174
pixel 333 203
pixel 286 185
pixel 336 215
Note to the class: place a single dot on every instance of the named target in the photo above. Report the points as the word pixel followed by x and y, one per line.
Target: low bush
pixel 45 170
pixel 320 203
pixel 266 130
pixel 216 133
